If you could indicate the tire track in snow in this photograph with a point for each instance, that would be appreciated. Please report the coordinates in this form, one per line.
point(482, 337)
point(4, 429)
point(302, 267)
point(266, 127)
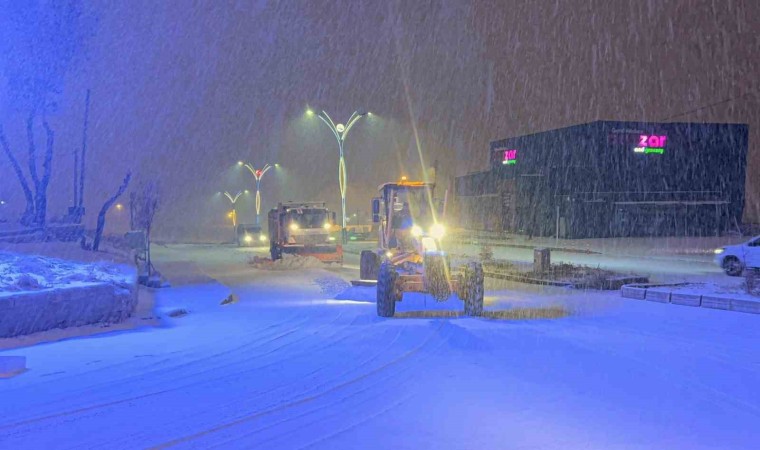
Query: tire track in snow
point(381, 392)
point(288, 388)
point(101, 406)
point(143, 375)
point(296, 402)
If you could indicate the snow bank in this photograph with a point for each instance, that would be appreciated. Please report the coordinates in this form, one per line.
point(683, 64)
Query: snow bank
point(288, 262)
point(39, 293)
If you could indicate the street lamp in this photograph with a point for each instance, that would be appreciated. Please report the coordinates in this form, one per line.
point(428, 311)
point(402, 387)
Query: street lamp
point(233, 213)
point(340, 132)
point(257, 175)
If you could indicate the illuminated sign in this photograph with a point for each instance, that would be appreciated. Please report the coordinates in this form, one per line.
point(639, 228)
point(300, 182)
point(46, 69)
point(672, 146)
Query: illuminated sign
point(651, 144)
point(509, 157)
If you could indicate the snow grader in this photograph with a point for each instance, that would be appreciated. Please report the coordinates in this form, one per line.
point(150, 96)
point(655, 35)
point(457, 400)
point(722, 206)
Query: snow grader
point(409, 256)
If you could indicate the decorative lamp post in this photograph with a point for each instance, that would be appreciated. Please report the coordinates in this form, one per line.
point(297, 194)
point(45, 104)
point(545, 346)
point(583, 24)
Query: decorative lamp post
point(233, 214)
point(340, 132)
point(257, 175)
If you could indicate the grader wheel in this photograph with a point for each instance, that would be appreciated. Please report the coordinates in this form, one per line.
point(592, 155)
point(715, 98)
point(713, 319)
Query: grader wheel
point(436, 277)
point(473, 289)
point(386, 290)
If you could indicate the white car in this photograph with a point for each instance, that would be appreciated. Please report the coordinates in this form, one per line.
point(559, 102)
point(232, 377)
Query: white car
point(735, 258)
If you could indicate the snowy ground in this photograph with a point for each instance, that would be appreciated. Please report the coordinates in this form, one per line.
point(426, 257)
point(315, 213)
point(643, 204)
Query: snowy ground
point(302, 361)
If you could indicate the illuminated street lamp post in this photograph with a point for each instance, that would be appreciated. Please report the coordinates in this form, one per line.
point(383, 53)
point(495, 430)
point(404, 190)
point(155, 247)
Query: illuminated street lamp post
point(340, 132)
point(233, 214)
point(257, 175)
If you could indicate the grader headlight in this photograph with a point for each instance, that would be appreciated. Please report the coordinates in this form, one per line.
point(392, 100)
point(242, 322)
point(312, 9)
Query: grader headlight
point(437, 231)
point(416, 231)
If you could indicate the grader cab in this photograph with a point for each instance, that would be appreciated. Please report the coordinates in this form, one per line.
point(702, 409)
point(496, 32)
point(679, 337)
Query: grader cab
point(409, 256)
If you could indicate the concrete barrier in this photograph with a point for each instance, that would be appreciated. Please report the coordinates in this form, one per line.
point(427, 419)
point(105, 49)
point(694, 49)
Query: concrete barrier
point(685, 299)
point(658, 296)
point(745, 306)
point(30, 312)
point(716, 302)
point(634, 292)
point(650, 292)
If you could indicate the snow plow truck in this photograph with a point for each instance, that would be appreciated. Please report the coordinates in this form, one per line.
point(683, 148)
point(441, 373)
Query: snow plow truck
point(409, 256)
point(304, 229)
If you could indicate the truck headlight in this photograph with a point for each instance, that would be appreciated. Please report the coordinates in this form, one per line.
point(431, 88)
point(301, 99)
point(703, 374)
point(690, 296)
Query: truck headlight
point(293, 226)
point(437, 231)
point(262, 237)
point(416, 231)
point(327, 226)
point(247, 238)
point(718, 251)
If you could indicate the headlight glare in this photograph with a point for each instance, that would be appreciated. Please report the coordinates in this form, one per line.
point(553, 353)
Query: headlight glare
point(437, 231)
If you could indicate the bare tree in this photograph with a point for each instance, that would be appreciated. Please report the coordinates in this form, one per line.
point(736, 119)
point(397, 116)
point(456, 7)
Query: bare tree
point(42, 41)
point(143, 206)
point(106, 206)
point(36, 207)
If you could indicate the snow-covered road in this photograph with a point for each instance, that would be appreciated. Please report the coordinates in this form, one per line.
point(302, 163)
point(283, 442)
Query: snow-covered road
point(302, 361)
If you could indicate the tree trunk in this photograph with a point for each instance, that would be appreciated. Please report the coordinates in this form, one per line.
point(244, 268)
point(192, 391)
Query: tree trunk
point(80, 196)
point(106, 206)
point(27, 217)
point(47, 169)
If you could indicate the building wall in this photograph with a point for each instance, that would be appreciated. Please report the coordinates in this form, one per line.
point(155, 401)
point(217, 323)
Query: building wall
point(687, 180)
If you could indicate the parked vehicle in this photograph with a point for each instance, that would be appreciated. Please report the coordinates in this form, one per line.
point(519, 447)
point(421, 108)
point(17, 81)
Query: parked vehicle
point(250, 236)
point(735, 258)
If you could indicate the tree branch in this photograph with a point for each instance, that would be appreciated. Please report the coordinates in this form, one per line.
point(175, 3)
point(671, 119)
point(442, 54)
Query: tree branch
point(106, 206)
point(32, 149)
point(47, 163)
point(17, 170)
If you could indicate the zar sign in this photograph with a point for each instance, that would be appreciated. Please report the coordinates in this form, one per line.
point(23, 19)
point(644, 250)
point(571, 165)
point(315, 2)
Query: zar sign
point(651, 144)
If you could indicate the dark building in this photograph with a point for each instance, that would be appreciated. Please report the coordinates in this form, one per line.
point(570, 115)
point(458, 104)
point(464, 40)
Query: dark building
point(605, 179)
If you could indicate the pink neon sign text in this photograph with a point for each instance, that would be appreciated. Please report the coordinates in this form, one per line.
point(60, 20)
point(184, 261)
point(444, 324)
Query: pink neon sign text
point(652, 141)
point(510, 156)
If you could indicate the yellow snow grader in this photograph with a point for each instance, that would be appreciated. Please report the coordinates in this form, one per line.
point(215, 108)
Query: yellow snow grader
point(409, 256)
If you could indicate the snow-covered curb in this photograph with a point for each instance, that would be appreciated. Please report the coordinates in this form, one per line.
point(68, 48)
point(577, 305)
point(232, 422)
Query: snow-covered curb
point(39, 293)
point(692, 295)
point(29, 312)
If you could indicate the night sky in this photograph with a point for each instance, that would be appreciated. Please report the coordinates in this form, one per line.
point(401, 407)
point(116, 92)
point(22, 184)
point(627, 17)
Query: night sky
point(182, 90)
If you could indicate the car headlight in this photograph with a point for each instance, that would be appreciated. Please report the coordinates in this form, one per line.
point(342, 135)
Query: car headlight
point(262, 237)
point(437, 231)
point(718, 251)
point(327, 226)
point(416, 231)
point(293, 226)
point(331, 238)
point(247, 238)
